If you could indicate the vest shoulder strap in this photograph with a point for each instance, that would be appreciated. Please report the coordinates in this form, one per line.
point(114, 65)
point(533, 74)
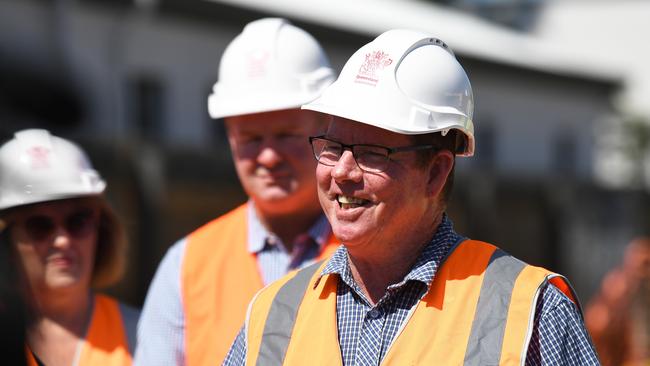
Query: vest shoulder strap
point(281, 317)
point(106, 332)
point(485, 342)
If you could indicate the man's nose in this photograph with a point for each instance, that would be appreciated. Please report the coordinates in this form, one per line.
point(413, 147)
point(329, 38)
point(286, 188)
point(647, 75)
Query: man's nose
point(269, 155)
point(347, 168)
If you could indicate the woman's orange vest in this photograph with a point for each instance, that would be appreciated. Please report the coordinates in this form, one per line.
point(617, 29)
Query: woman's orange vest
point(219, 278)
point(106, 342)
point(460, 321)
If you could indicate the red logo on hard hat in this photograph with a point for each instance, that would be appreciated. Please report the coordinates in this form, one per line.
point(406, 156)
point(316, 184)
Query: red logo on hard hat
point(258, 63)
point(374, 62)
point(39, 157)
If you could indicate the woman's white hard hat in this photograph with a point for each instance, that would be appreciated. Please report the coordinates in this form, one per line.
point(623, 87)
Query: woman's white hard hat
point(36, 166)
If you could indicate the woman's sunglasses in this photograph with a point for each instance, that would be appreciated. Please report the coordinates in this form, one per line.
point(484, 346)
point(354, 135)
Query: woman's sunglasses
point(77, 224)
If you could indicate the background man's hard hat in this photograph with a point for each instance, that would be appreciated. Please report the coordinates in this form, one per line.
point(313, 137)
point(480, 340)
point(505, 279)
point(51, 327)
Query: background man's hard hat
point(272, 65)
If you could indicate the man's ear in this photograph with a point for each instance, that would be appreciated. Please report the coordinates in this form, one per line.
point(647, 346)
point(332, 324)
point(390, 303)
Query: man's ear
point(439, 169)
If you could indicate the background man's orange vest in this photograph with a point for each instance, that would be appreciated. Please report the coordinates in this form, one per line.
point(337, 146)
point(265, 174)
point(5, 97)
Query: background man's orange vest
point(219, 278)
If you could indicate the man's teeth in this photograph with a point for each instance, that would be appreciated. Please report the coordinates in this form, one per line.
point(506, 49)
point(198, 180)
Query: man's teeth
point(350, 200)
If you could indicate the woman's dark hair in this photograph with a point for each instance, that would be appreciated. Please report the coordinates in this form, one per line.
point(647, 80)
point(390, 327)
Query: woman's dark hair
point(14, 310)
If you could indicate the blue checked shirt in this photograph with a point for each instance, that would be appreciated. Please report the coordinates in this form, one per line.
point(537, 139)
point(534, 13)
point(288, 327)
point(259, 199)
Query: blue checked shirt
point(366, 331)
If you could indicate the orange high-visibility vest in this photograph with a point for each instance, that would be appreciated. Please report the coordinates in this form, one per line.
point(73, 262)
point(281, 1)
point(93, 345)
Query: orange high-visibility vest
point(479, 310)
point(219, 278)
point(106, 342)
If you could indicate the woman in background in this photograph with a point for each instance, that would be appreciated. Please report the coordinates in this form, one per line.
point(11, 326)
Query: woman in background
point(65, 241)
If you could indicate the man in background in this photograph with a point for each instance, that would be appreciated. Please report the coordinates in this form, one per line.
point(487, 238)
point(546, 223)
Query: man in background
point(199, 295)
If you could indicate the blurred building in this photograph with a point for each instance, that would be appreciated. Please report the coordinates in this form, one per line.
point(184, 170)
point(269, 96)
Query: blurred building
point(129, 80)
point(616, 31)
point(607, 30)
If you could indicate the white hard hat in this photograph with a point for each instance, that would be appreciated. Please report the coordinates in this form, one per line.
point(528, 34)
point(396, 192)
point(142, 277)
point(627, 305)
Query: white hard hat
point(271, 65)
point(406, 82)
point(38, 167)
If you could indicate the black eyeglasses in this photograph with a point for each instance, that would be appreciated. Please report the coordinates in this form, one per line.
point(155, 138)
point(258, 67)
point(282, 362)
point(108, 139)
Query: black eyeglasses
point(369, 158)
point(79, 224)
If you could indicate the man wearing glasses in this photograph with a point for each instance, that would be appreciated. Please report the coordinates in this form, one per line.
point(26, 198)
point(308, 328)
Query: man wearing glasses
point(405, 288)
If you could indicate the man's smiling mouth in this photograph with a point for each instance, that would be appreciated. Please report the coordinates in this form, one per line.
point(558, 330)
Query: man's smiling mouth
point(346, 202)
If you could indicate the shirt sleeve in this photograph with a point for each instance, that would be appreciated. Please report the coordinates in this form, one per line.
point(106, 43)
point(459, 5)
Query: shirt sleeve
point(237, 353)
point(559, 334)
point(162, 322)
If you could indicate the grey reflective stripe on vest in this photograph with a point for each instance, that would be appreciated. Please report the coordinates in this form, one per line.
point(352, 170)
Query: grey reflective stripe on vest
point(486, 337)
point(282, 317)
point(130, 318)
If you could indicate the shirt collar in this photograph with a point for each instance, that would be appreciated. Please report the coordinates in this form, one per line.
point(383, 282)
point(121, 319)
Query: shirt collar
point(425, 266)
point(258, 234)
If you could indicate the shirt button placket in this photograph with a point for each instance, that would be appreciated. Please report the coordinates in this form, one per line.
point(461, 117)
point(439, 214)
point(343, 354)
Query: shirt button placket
point(370, 339)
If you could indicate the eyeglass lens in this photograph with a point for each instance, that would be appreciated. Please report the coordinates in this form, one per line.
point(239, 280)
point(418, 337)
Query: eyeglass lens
point(78, 225)
point(368, 157)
